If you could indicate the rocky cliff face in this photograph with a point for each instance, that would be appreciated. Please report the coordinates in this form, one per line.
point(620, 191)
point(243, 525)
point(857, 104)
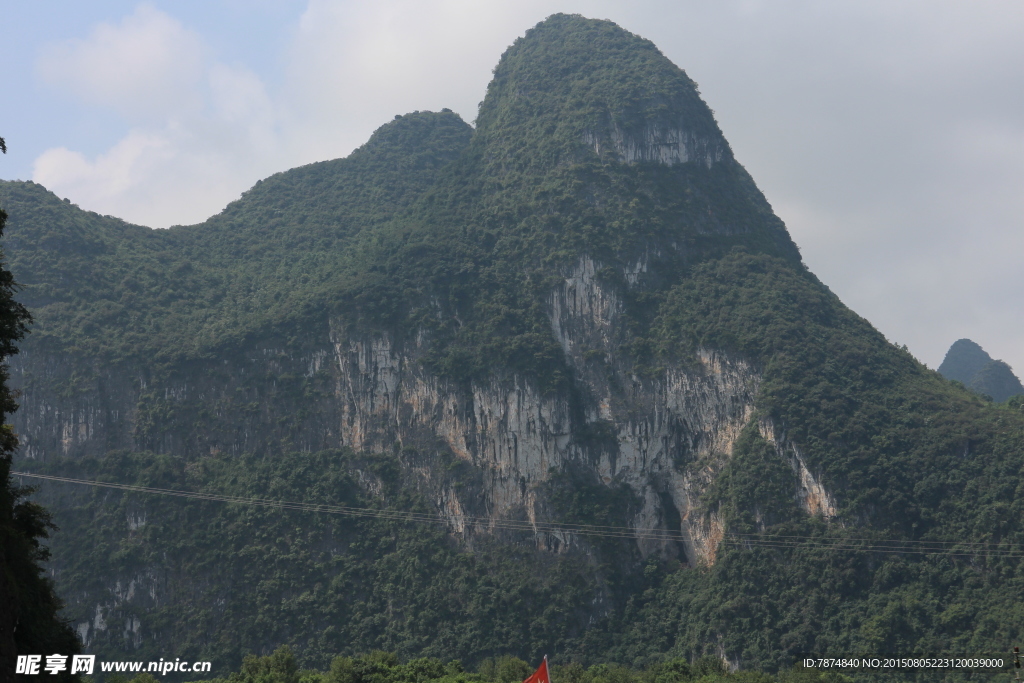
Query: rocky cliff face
point(669, 435)
point(241, 403)
point(660, 143)
point(295, 324)
point(665, 437)
point(581, 311)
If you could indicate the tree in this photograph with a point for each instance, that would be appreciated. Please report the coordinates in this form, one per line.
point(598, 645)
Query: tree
point(29, 606)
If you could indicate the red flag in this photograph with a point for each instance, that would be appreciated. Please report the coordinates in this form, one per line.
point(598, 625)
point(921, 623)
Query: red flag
point(541, 674)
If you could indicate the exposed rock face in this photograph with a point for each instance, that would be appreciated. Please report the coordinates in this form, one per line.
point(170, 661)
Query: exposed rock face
point(233, 404)
point(671, 435)
point(665, 437)
point(664, 434)
point(54, 420)
point(813, 497)
point(119, 614)
point(125, 600)
point(666, 144)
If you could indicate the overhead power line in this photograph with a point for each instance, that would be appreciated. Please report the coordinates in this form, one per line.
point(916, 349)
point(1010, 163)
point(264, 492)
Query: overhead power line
point(778, 541)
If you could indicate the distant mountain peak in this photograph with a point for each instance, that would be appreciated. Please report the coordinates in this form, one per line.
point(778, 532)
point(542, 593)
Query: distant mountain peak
point(963, 360)
point(967, 362)
point(573, 84)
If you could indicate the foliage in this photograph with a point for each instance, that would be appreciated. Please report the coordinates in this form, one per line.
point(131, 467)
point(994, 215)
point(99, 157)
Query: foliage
point(385, 667)
point(966, 362)
point(325, 584)
point(898, 443)
point(456, 238)
point(906, 454)
point(29, 606)
point(430, 227)
point(105, 289)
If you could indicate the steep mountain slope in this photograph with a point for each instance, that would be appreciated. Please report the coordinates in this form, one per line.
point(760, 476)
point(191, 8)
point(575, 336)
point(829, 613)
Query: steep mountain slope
point(963, 361)
point(29, 606)
point(996, 379)
point(120, 292)
point(966, 362)
point(582, 311)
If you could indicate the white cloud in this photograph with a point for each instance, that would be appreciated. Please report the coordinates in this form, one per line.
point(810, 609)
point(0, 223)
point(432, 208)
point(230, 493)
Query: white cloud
point(353, 66)
point(111, 175)
point(201, 131)
point(132, 179)
point(239, 96)
point(147, 65)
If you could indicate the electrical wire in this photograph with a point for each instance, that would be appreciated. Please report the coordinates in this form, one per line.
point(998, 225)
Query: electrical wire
point(769, 541)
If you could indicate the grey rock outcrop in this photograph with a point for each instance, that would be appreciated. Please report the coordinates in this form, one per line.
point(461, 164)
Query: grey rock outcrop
point(666, 437)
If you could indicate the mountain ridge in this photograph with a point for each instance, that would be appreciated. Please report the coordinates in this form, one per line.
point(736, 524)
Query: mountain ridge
point(583, 310)
point(966, 362)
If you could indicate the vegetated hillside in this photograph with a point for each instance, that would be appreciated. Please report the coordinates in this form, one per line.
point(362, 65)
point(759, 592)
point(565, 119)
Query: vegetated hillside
point(581, 311)
point(104, 289)
point(30, 618)
point(385, 667)
point(966, 362)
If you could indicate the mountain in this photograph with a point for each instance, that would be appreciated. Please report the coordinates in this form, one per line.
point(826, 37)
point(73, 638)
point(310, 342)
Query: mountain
point(996, 379)
point(966, 362)
point(581, 313)
point(30, 619)
point(963, 361)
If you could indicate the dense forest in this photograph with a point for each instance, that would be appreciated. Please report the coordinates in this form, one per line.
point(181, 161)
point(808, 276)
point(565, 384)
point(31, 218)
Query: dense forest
point(592, 260)
point(29, 606)
point(384, 667)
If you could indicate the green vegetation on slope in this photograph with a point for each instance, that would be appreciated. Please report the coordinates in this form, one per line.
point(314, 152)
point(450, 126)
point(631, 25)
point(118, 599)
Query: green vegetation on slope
point(102, 289)
point(966, 362)
point(429, 227)
point(904, 450)
point(474, 264)
point(463, 242)
point(385, 667)
point(29, 606)
point(907, 455)
point(996, 381)
point(258, 577)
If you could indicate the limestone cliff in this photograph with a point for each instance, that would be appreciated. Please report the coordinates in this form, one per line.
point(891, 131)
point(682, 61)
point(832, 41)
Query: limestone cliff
point(480, 304)
point(667, 435)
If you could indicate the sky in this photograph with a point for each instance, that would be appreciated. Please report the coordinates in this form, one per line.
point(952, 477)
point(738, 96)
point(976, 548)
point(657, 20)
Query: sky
point(887, 134)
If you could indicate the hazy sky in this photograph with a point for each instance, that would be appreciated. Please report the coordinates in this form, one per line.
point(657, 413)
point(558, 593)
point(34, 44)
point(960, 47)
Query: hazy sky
point(888, 135)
